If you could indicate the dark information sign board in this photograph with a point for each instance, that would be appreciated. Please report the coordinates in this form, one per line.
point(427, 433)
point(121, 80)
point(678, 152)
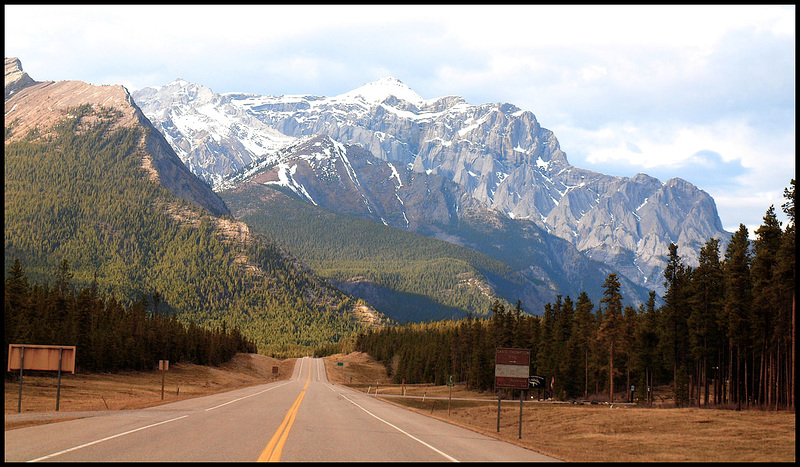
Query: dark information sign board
point(536, 381)
point(512, 368)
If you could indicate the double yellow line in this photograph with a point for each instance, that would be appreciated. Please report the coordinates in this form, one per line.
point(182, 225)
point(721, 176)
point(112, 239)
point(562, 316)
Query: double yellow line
point(272, 453)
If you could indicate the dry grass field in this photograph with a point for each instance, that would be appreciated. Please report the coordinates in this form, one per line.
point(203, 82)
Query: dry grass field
point(592, 433)
point(577, 433)
point(136, 389)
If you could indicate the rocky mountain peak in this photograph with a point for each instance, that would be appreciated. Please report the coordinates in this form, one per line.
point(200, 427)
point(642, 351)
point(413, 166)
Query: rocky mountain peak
point(16, 79)
point(41, 105)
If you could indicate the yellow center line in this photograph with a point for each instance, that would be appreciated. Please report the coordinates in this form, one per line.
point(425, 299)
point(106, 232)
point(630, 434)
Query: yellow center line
point(272, 453)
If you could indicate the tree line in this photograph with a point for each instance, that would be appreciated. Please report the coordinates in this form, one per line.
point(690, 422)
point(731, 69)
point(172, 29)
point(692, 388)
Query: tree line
point(108, 335)
point(723, 337)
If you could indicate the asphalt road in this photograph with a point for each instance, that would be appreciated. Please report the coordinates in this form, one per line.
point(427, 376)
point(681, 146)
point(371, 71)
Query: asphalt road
point(304, 419)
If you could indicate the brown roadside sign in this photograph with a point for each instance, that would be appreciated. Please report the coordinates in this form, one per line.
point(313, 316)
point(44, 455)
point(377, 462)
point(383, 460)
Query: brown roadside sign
point(504, 356)
point(512, 368)
point(41, 357)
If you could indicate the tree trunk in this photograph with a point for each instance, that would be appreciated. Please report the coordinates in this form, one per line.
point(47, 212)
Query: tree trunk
point(611, 372)
point(586, 382)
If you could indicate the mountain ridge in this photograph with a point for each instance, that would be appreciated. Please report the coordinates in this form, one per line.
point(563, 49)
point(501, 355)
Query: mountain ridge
point(314, 170)
point(502, 157)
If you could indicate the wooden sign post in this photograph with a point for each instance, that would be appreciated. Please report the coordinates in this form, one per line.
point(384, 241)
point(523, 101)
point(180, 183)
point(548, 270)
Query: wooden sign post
point(163, 365)
point(41, 358)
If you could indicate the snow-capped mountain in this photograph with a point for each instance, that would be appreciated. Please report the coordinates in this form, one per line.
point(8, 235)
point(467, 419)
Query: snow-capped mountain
point(348, 179)
point(497, 153)
point(212, 136)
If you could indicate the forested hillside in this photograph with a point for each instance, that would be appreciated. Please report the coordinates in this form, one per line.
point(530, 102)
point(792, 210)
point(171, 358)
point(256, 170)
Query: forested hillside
point(110, 336)
point(79, 193)
point(407, 276)
point(725, 335)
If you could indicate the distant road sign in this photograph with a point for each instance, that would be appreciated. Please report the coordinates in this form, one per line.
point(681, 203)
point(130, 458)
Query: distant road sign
point(512, 367)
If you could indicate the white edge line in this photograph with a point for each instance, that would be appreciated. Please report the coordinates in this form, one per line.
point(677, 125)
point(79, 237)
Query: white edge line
point(105, 439)
point(245, 397)
point(398, 429)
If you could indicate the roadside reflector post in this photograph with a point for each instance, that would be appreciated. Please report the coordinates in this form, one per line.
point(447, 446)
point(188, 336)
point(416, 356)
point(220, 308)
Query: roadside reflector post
point(450, 383)
point(163, 365)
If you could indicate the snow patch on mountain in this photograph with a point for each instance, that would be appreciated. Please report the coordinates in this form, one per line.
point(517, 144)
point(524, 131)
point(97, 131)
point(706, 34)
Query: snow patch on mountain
point(378, 91)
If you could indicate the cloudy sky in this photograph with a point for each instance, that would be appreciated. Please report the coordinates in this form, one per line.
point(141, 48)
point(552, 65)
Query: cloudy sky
point(704, 93)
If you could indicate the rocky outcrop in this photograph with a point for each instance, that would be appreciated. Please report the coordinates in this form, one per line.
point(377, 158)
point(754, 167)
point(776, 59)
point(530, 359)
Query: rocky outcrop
point(16, 79)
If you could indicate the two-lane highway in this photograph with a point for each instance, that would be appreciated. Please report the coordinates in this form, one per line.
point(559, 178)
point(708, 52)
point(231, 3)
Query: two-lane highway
point(305, 418)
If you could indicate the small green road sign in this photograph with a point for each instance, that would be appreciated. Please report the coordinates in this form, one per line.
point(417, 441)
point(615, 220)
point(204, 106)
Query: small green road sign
point(339, 363)
point(451, 381)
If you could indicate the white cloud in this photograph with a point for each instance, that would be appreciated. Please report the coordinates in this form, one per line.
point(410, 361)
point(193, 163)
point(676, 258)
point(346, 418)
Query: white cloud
point(662, 89)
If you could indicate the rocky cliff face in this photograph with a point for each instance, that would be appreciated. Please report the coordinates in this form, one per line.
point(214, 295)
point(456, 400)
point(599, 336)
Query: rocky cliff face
point(16, 79)
point(348, 179)
point(498, 154)
point(37, 106)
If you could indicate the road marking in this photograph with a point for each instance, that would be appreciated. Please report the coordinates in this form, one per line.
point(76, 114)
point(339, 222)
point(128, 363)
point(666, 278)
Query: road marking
point(397, 428)
point(272, 453)
point(245, 397)
point(105, 439)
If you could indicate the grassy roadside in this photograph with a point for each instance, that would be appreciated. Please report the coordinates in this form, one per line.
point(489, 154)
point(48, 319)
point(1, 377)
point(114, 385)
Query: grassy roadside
point(593, 433)
point(136, 389)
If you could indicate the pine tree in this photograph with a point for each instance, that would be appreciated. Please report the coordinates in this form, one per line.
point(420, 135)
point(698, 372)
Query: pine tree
point(16, 307)
point(767, 304)
point(705, 335)
point(738, 303)
point(611, 328)
point(646, 344)
point(584, 327)
point(675, 329)
point(786, 275)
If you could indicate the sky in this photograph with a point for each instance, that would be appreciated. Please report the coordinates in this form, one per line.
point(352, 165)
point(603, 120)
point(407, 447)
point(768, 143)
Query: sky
point(703, 93)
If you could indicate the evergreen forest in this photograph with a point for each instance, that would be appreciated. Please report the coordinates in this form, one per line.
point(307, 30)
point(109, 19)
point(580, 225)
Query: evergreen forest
point(723, 337)
point(411, 277)
point(107, 335)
